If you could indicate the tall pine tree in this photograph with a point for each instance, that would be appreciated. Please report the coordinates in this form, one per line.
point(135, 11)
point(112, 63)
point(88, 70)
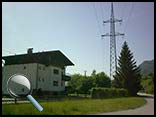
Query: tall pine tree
point(128, 74)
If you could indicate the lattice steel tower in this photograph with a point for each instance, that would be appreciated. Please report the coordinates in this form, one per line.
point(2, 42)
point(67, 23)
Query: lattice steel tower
point(112, 35)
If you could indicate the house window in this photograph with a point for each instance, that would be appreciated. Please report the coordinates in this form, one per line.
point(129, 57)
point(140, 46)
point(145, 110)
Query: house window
point(55, 83)
point(43, 79)
point(22, 89)
point(39, 67)
point(56, 71)
point(62, 83)
point(24, 67)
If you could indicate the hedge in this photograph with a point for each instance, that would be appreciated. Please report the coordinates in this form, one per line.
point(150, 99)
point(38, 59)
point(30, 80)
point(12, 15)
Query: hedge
point(150, 89)
point(99, 92)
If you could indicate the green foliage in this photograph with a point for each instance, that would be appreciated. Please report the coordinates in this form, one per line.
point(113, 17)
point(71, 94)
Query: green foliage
point(147, 83)
point(102, 80)
point(150, 89)
point(93, 73)
point(122, 92)
point(128, 74)
point(73, 83)
point(108, 92)
point(82, 84)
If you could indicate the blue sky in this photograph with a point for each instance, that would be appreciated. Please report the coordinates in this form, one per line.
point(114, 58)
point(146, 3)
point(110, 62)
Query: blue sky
point(75, 28)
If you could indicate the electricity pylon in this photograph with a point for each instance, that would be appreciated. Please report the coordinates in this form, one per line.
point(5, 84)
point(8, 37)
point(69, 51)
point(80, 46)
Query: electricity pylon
point(112, 35)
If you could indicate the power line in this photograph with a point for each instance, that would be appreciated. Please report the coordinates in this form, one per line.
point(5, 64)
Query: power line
point(130, 13)
point(123, 13)
point(103, 12)
point(97, 18)
point(101, 6)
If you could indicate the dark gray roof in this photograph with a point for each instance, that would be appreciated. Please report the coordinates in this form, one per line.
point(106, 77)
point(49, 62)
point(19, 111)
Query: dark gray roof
point(56, 58)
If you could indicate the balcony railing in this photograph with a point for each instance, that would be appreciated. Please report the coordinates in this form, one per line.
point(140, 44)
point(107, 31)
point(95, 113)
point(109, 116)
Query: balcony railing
point(66, 78)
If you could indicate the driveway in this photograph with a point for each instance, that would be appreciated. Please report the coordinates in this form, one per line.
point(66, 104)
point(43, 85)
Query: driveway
point(147, 109)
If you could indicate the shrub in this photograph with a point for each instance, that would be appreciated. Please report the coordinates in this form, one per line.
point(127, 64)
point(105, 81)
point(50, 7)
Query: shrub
point(122, 92)
point(99, 92)
point(148, 83)
point(150, 89)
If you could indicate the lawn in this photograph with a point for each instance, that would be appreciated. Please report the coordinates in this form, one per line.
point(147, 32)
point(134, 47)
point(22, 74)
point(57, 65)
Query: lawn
point(74, 107)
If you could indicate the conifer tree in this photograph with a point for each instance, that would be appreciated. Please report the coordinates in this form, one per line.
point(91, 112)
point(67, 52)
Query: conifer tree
point(127, 74)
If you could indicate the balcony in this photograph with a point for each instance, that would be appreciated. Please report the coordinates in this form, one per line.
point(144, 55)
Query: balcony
point(66, 78)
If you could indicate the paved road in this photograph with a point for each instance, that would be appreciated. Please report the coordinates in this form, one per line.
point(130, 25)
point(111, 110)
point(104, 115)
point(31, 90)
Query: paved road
point(147, 109)
point(12, 101)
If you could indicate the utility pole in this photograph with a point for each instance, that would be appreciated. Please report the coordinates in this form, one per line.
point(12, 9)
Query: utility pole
point(112, 35)
point(85, 73)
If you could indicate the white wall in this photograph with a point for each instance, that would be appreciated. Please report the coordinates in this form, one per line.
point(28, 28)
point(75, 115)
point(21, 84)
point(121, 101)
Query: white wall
point(48, 76)
point(29, 71)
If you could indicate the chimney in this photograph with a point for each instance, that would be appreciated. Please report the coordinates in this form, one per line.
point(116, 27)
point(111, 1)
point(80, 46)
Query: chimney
point(30, 51)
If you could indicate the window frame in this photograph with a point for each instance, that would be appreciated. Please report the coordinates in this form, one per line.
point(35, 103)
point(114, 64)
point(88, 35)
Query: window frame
point(24, 67)
point(54, 71)
point(62, 83)
point(55, 83)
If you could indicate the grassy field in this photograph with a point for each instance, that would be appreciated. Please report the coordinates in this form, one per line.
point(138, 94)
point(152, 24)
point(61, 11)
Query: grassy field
point(74, 107)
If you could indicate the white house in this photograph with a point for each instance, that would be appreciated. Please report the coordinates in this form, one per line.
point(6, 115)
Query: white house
point(45, 70)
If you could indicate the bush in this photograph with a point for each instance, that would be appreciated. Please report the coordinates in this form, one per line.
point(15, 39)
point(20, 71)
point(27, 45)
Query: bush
point(148, 83)
point(150, 89)
point(99, 92)
point(122, 92)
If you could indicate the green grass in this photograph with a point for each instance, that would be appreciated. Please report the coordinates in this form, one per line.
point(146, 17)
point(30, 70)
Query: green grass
point(74, 107)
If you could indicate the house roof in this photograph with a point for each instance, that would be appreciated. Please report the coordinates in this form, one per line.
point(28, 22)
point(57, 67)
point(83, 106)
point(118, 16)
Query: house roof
point(56, 58)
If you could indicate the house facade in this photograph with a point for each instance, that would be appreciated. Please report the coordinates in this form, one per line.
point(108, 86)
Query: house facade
point(45, 70)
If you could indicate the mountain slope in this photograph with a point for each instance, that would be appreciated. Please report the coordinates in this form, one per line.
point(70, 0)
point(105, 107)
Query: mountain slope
point(147, 67)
